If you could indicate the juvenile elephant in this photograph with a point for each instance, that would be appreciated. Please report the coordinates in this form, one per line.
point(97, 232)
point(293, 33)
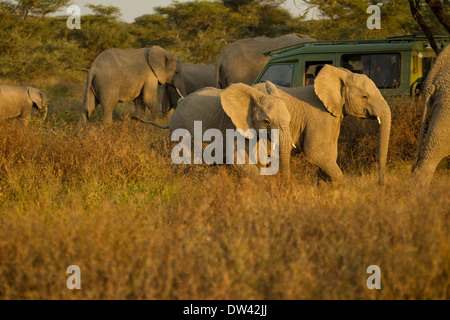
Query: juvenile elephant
point(241, 61)
point(315, 114)
point(238, 107)
point(118, 75)
point(436, 101)
point(19, 102)
point(195, 77)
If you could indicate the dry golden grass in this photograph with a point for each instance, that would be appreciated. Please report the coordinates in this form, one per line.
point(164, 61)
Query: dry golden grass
point(108, 199)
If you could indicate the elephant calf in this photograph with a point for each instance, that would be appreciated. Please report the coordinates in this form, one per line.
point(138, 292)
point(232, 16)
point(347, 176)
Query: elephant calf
point(19, 102)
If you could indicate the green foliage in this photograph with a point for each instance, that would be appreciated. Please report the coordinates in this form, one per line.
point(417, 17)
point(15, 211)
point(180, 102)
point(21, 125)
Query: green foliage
point(37, 7)
point(346, 19)
point(99, 33)
point(30, 49)
point(34, 44)
point(198, 38)
point(105, 11)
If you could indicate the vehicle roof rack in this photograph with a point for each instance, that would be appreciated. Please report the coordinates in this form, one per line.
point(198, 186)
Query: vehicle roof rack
point(406, 38)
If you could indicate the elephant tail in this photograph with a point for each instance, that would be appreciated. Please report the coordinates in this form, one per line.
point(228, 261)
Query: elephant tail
point(221, 81)
point(427, 94)
point(218, 67)
point(152, 123)
point(89, 102)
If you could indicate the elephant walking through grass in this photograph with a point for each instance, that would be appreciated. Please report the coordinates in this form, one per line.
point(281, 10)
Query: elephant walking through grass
point(118, 75)
point(18, 101)
point(436, 105)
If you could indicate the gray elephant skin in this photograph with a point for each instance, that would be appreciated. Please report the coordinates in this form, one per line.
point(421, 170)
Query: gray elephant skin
point(315, 114)
point(243, 60)
point(18, 101)
point(195, 77)
point(119, 75)
point(436, 104)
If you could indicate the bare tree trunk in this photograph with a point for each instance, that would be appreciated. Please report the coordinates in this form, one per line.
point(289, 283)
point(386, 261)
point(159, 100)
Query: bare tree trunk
point(414, 6)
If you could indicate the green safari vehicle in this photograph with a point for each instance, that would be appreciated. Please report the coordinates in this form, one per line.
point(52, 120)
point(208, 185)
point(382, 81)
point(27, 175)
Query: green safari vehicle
point(397, 65)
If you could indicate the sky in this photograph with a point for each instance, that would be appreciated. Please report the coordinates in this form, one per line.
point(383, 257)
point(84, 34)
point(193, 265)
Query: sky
point(132, 9)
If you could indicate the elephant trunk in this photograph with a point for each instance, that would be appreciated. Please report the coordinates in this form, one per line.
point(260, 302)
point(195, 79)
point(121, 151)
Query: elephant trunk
point(285, 156)
point(45, 112)
point(384, 120)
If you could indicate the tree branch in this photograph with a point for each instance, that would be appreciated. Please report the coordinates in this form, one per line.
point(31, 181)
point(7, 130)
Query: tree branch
point(415, 10)
point(438, 10)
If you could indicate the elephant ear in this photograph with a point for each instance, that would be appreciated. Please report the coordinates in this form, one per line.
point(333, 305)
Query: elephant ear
point(162, 63)
point(329, 87)
point(272, 89)
point(38, 97)
point(238, 103)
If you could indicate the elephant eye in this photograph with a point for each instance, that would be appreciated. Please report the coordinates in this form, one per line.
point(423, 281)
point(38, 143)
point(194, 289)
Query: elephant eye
point(365, 97)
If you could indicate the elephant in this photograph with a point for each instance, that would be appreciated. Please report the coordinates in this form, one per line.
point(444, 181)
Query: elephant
point(239, 106)
point(18, 101)
point(194, 77)
point(436, 102)
point(315, 112)
point(123, 75)
point(241, 61)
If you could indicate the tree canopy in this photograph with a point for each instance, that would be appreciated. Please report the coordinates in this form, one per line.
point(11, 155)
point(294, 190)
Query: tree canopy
point(35, 42)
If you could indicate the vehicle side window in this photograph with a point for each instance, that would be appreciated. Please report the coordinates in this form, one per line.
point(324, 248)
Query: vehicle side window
point(312, 69)
point(383, 69)
point(279, 74)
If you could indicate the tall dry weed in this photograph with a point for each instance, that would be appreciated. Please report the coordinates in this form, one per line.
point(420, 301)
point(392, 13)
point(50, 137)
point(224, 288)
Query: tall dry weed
point(108, 199)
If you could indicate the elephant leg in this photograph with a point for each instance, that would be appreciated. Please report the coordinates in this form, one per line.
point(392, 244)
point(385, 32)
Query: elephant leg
point(330, 167)
point(436, 147)
point(26, 112)
point(150, 97)
point(139, 108)
point(425, 170)
point(108, 108)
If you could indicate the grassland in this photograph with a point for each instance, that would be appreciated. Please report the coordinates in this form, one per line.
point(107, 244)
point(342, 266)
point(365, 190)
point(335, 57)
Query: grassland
point(109, 199)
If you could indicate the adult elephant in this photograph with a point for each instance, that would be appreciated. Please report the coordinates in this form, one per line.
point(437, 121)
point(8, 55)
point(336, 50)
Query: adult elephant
point(18, 101)
point(195, 77)
point(436, 101)
point(241, 61)
point(119, 75)
point(315, 113)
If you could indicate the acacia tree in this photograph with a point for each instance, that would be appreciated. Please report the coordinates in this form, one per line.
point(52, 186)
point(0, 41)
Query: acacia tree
point(262, 17)
point(195, 31)
point(346, 19)
point(29, 43)
point(37, 7)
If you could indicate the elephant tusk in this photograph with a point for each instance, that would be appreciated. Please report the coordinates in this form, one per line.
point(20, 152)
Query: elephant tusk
point(294, 146)
point(179, 93)
point(379, 120)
